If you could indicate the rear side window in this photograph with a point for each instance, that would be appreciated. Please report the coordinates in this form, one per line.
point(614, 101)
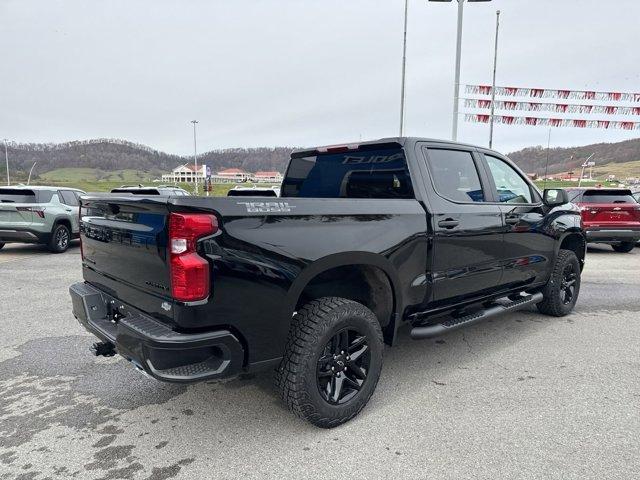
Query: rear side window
point(607, 196)
point(68, 198)
point(455, 176)
point(17, 195)
point(377, 173)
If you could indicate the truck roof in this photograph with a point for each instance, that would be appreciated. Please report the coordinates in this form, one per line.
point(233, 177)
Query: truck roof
point(401, 141)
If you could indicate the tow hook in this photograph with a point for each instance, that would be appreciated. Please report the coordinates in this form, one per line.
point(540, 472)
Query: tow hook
point(103, 349)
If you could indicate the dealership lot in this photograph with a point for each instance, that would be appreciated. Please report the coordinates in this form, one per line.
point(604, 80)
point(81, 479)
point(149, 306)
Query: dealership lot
point(520, 396)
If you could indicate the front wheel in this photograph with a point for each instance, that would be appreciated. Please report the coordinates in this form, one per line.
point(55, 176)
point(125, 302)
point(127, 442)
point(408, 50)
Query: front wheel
point(561, 292)
point(623, 247)
point(332, 361)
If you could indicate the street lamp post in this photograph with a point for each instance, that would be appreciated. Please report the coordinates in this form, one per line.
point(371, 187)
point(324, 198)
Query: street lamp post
point(456, 82)
point(493, 84)
point(6, 159)
point(404, 63)
point(195, 154)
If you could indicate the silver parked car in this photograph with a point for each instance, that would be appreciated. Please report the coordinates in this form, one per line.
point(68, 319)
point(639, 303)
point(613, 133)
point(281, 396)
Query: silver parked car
point(47, 215)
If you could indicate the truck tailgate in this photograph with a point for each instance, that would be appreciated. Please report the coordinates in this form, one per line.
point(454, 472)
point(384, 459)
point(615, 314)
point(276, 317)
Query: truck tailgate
point(125, 239)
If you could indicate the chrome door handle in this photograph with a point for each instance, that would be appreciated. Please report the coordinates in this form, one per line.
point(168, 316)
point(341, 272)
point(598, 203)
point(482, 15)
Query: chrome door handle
point(448, 223)
point(511, 220)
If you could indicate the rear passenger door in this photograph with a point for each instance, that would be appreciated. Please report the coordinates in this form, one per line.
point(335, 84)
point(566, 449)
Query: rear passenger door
point(528, 247)
point(467, 224)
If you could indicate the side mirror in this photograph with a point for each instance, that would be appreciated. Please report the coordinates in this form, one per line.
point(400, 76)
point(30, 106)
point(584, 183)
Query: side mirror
point(552, 197)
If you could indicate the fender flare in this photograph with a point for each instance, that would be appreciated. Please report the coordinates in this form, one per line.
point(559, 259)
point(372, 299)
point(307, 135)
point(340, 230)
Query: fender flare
point(342, 260)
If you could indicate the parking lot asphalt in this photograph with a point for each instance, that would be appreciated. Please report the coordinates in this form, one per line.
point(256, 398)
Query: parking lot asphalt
point(519, 396)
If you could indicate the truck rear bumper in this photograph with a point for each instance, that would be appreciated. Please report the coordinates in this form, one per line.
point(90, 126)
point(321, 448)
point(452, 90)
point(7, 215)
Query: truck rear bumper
point(610, 235)
point(152, 346)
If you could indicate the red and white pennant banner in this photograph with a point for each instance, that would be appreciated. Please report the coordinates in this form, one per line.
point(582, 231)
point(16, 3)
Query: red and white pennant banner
point(552, 122)
point(553, 93)
point(551, 107)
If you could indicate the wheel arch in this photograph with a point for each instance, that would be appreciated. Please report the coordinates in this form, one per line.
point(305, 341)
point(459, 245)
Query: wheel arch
point(367, 278)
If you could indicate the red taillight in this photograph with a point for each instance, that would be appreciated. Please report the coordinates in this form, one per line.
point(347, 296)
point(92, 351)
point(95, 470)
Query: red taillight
point(189, 271)
point(37, 210)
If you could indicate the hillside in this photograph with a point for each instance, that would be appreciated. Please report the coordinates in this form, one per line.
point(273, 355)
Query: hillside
point(115, 160)
point(109, 155)
point(533, 159)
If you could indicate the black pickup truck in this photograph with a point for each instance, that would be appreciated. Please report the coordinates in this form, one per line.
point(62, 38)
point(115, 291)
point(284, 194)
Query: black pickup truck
point(364, 239)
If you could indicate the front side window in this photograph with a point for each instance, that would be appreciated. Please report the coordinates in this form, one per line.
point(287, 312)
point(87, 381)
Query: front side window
point(512, 188)
point(371, 173)
point(454, 175)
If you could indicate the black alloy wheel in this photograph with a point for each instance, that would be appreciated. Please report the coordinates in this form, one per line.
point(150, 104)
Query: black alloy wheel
point(568, 284)
point(343, 366)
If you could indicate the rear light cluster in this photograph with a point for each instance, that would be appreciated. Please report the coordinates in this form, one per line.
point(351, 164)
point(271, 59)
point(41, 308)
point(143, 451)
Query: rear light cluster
point(189, 271)
point(37, 210)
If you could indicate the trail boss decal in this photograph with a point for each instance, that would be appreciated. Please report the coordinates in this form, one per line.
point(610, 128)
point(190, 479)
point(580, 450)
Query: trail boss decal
point(267, 207)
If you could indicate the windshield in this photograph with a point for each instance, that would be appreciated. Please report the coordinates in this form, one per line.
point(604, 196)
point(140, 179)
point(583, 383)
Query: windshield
point(377, 173)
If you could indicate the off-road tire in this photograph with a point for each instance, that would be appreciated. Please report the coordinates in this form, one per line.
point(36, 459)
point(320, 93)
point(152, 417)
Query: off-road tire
point(54, 245)
point(553, 302)
point(313, 326)
point(623, 247)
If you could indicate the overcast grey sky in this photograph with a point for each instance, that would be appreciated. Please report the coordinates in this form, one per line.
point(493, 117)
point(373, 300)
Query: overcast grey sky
point(294, 72)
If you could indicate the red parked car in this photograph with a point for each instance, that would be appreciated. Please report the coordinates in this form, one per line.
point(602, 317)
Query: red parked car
point(609, 215)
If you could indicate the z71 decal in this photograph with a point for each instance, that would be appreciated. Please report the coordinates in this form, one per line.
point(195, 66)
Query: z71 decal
point(267, 207)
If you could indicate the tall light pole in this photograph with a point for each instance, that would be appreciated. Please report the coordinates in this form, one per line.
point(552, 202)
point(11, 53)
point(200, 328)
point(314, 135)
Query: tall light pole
point(195, 154)
point(404, 63)
point(456, 82)
point(493, 84)
point(6, 159)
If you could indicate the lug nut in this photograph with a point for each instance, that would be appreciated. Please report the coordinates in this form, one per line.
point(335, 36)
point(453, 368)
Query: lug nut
point(342, 352)
point(338, 374)
point(348, 357)
point(333, 369)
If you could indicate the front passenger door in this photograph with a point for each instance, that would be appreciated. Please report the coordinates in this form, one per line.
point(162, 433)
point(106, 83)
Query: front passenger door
point(528, 248)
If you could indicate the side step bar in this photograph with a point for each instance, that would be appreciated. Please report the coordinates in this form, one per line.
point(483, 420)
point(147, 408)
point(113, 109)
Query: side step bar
point(430, 331)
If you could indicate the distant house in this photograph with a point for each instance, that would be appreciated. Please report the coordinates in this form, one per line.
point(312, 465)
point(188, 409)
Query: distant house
point(186, 174)
point(267, 177)
point(232, 175)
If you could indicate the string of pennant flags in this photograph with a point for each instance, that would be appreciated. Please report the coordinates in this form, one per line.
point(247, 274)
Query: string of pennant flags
point(552, 122)
point(617, 105)
point(553, 93)
point(551, 107)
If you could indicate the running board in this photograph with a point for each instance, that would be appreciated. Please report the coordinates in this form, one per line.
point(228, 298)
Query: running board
point(430, 331)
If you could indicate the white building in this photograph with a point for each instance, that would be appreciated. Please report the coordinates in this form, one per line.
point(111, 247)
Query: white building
point(233, 175)
point(186, 174)
point(267, 177)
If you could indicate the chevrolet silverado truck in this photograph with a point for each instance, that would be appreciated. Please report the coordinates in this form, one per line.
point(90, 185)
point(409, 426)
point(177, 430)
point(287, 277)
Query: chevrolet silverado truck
point(365, 239)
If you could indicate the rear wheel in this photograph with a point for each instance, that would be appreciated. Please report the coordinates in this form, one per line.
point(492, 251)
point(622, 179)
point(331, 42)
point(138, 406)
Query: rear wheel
point(561, 292)
point(332, 361)
point(60, 238)
point(624, 247)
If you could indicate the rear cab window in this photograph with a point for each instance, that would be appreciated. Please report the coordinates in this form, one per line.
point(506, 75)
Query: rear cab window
point(370, 171)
